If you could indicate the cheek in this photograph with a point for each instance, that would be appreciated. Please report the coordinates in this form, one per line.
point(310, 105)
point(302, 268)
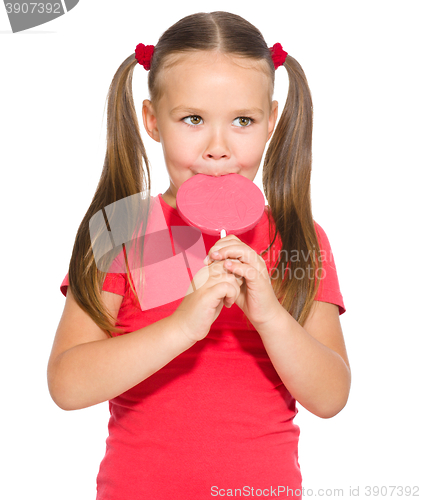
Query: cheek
point(175, 145)
point(251, 151)
point(179, 151)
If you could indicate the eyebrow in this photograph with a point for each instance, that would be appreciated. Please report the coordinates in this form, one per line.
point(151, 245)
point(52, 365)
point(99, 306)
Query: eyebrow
point(195, 111)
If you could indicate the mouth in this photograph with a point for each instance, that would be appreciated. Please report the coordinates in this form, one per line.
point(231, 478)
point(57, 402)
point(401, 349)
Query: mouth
point(218, 175)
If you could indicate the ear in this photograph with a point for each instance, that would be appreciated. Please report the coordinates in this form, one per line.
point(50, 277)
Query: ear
point(150, 120)
point(272, 119)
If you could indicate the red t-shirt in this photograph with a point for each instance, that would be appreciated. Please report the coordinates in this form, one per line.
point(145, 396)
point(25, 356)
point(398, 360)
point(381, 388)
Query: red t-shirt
point(215, 418)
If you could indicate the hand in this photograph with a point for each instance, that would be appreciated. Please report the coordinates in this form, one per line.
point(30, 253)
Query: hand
point(214, 287)
point(256, 299)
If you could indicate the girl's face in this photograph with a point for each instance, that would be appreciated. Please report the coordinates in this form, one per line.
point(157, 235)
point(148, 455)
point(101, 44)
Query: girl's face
point(214, 117)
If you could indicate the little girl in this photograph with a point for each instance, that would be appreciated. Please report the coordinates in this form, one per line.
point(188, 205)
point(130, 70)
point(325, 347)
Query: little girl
point(202, 397)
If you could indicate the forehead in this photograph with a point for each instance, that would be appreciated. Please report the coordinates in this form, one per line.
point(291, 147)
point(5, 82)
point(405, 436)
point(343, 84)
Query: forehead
point(198, 74)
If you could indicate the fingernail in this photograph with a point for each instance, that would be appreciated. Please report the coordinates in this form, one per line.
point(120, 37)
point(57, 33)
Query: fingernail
point(206, 260)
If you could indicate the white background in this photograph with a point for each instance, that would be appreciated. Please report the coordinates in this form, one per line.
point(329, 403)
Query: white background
point(361, 59)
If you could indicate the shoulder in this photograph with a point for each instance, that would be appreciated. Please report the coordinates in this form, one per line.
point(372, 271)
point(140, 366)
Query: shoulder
point(329, 289)
point(326, 255)
point(113, 282)
point(321, 235)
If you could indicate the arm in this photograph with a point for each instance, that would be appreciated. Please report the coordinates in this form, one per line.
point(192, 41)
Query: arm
point(311, 360)
point(86, 367)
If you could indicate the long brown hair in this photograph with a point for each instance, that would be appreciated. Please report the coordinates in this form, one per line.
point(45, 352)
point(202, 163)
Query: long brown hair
point(286, 168)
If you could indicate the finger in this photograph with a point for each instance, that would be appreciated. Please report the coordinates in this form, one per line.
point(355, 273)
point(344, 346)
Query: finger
point(218, 270)
point(228, 269)
point(223, 242)
point(241, 252)
point(233, 291)
point(219, 273)
point(225, 291)
point(243, 271)
point(234, 278)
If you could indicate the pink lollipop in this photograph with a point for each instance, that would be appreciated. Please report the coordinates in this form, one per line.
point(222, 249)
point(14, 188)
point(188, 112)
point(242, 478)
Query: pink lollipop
point(230, 204)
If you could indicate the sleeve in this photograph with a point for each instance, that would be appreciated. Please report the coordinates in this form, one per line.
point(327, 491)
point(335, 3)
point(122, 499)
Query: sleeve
point(113, 282)
point(329, 290)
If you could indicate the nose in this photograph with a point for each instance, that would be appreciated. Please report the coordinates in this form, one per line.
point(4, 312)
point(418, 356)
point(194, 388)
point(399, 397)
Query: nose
point(217, 146)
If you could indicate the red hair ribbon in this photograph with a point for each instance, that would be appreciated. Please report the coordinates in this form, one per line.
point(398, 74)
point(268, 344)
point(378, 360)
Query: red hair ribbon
point(144, 54)
point(278, 55)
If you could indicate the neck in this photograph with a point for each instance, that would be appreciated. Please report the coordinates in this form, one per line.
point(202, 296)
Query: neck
point(169, 198)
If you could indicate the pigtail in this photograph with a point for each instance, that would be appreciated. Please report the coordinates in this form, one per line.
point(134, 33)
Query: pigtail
point(286, 182)
point(122, 176)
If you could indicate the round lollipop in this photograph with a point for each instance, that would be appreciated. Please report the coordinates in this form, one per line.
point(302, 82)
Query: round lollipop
point(229, 204)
